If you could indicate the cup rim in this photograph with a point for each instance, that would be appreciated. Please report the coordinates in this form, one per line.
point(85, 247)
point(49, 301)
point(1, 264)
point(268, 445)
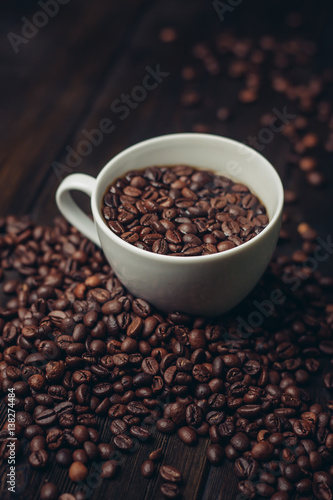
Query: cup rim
point(188, 258)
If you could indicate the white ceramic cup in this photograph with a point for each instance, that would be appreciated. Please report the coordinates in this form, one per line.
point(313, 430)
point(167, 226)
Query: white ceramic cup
point(203, 285)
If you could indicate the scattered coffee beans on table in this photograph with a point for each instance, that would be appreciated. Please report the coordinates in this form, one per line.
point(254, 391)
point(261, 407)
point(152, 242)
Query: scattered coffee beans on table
point(182, 211)
point(78, 350)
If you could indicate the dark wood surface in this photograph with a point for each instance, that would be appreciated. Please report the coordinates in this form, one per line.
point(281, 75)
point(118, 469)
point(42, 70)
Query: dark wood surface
point(65, 79)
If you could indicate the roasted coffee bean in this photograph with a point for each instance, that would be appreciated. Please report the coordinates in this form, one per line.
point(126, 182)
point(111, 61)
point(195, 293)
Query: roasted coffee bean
point(110, 469)
point(123, 442)
point(264, 489)
point(227, 429)
point(177, 413)
point(64, 457)
point(33, 430)
point(137, 408)
point(91, 450)
point(46, 417)
point(215, 454)
point(193, 415)
point(140, 433)
point(302, 428)
point(262, 451)
point(150, 366)
point(69, 496)
point(38, 459)
point(49, 491)
point(240, 442)
point(156, 455)
point(78, 472)
point(105, 450)
point(247, 489)
point(230, 453)
point(170, 490)
point(118, 427)
point(147, 468)
point(87, 420)
point(55, 439)
point(246, 467)
point(322, 485)
point(37, 443)
point(187, 435)
point(170, 473)
point(165, 425)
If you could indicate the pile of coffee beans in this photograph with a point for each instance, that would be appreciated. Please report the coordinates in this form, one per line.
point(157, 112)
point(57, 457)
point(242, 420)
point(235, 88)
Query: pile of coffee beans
point(76, 348)
point(182, 211)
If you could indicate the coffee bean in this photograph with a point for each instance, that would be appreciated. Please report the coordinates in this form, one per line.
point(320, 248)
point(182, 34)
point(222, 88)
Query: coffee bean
point(193, 415)
point(226, 429)
point(304, 486)
point(246, 467)
point(118, 427)
point(322, 485)
point(156, 455)
point(264, 489)
point(140, 433)
point(91, 450)
point(240, 442)
point(247, 489)
point(328, 380)
point(165, 425)
point(262, 451)
point(105, 450)
point(64, 457)
point(170, 473)
point(292, 472)
point(215, 454)
point(80, 456)
point(280, 495)
point(150, 366)
point(147, 468)
point(170, 490)
point(137, 408)
point(78, 472)
point(38, 459)
point(187, 435)
point(49, 491)
point(302, 428)
point(110, 469)
point(123, 442)
point(37, 443)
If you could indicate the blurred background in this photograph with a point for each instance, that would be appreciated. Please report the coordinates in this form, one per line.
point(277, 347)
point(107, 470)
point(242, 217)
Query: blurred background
point(73, 91)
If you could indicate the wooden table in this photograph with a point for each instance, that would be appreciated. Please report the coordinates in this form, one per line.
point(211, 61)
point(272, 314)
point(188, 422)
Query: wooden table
point(63, 81)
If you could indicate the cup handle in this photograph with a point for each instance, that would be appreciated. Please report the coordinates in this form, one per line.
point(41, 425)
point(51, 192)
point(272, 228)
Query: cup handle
point(70, 210)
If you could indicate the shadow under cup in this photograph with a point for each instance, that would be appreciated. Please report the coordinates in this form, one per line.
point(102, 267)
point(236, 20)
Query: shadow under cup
point(202, 285)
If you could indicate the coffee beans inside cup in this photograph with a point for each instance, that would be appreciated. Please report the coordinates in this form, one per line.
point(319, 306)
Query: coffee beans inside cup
point(182, 211)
